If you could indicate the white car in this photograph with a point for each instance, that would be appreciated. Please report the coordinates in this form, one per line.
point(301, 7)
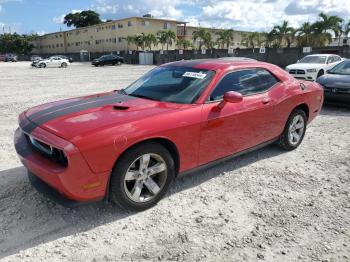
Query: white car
point(53, 61)
point(313, 66)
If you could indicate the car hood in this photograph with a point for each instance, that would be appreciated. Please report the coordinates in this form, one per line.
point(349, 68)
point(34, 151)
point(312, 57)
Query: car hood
point(333, 80)
point(304, 66)
point(83, 115)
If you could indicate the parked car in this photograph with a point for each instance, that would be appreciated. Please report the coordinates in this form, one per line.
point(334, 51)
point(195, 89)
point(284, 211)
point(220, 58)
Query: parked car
point(127, 146)
point(336, 84)
point(53, 61)
point(35, 58)
point(108, 60)
point(70, 59)
point(312, 67)
point(10, 58)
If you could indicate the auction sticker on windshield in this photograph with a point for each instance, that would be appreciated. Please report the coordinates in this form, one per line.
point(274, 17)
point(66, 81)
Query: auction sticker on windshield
point(194, 75)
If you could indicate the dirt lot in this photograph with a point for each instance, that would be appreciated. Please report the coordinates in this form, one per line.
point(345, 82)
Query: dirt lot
point(266, 205)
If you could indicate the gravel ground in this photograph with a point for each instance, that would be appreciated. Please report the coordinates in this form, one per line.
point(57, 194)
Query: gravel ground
point(266, 205)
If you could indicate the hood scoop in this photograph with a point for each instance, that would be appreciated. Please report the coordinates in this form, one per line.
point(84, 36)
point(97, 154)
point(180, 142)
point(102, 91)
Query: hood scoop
point(120, 107)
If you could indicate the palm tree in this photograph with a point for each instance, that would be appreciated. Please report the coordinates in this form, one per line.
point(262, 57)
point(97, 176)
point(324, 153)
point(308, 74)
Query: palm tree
point(320, 36)
point(185, 44)
point(150, 39)
point(204, 37)
point(225, 37)
point(166, 38)
point(305, 34)
point(140, 41)
point(130, 40)
point(328, 23)
point(346, 30)
point(250, 39)
point(284, 33)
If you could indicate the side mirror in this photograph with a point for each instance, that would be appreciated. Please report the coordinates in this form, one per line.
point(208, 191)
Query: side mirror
point(231, 97)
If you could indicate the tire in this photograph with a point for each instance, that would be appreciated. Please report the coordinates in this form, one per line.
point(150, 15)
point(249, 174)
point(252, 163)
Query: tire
point(127, 179)
point(64, 65)
point(320, 73)
point(288, 140)
point(42, 65)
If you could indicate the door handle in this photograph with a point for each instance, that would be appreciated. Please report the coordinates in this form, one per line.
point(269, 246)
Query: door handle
point(266, 100)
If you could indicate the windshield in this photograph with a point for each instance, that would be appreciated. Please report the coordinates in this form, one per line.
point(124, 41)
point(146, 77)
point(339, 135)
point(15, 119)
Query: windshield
point(314, 59)
point(341, 69)
point(172, 84)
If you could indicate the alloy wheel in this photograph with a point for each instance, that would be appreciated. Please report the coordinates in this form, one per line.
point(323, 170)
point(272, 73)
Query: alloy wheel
point(296, 129)
point(145, 177)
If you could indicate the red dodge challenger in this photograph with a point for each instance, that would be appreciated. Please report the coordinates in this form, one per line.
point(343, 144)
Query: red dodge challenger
point(127, 146)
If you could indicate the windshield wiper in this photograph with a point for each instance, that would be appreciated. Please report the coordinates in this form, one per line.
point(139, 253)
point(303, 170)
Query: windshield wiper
point(122, 91)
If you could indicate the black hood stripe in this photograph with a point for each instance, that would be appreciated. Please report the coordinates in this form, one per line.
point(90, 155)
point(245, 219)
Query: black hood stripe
point(88, 104)
point(72, 103)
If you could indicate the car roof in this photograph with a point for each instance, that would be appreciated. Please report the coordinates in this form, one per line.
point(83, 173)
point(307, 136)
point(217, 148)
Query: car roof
point(322, 55)
point(215, 63)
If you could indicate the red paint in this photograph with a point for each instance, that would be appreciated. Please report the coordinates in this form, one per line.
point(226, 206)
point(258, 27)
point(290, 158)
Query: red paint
point(94, 139)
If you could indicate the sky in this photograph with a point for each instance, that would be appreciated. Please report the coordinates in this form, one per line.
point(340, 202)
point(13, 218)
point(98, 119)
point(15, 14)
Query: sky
point(44, 16)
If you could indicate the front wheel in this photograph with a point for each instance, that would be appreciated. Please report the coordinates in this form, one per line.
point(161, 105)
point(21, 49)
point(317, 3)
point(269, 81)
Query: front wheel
point(320, 73)
point(294, 130)
point(42, 65)
point(142, 176)
point(64, 65)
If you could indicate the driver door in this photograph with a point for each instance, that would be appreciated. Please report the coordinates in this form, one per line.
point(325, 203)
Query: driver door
point(238, 126)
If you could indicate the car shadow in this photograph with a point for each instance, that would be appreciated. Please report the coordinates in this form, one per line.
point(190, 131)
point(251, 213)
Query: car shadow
point(28, 219)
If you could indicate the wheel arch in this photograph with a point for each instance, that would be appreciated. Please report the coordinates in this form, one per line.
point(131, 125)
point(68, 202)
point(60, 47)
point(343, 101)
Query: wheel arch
point(305, 108)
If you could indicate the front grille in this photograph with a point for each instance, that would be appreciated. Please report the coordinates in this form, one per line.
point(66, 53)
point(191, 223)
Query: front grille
point(54, 154)
point(338, 90)
point(297, 72)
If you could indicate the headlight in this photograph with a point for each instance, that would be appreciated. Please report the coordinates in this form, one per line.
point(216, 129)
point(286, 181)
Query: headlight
point(311, 70)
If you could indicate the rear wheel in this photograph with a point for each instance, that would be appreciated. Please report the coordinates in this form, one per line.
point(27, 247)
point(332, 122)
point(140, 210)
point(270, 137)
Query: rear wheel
point(42, 65)
point(294, 130)
point(64, 65)
point(142, 176)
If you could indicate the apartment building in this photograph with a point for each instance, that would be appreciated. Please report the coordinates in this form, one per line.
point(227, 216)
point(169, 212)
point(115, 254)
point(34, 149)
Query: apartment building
point(104, 37)
point(111, 36)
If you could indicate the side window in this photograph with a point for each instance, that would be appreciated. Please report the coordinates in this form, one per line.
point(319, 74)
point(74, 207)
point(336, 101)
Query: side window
point(246, 82)
point(330, 59)
point(337, 58)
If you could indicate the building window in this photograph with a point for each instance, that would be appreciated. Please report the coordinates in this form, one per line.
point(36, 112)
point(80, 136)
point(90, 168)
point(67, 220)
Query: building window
point(77, 44)
point(130, 23)
point(120, 39)
point(113, 27)
point(61, 45)
point(167, 25)
point(68, 44)
point(145, 23)
point(120, 25)
point(97, 42)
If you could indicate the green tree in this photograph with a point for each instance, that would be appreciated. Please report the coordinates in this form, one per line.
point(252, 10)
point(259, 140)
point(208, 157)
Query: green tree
point(16, 43)
point(184, 44)
point(225, 37)
point(150, 39)
point(250, 40)
point(284, 33)
point(204, 37)
point(82, 19)
point(305, 34)
point(346, 30)
point(166, 38)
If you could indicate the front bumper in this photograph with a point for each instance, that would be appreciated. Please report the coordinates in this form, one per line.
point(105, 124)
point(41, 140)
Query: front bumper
point(333, 96)
point(75, 182)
